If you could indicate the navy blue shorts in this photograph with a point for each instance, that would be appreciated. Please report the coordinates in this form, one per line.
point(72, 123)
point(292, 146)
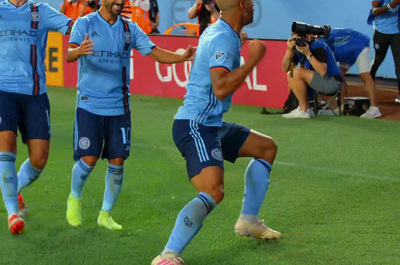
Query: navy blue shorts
point(101, 136)
point(205, 146)
point(31, 114)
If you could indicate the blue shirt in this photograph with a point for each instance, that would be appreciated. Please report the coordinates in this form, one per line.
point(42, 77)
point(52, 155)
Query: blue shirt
point(103, 77)
point(387, 23)
point(219, 47)
point(346, 44)
point(323, 54)
point(23, 40)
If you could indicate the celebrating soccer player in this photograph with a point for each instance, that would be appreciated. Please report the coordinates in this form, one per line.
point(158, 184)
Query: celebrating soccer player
point(23, 100)
point(205, 140)
point(102, 41)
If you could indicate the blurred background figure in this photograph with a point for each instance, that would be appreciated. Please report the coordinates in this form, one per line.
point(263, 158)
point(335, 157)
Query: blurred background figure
point(206, 11)
point(139, 13)
point(154, 16)
point(75, 8)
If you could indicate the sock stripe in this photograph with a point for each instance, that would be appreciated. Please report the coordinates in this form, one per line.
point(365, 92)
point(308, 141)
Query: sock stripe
point(7, 158)
point(116, 171)
point(206, 202)
point(84, 167)
point(267, 165)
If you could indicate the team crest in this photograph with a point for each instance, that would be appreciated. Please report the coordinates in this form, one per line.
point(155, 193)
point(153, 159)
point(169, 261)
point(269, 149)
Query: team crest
point(217, 154)
point(220, 57)
point(127, 37)
point(35, 16)
point(84, 143)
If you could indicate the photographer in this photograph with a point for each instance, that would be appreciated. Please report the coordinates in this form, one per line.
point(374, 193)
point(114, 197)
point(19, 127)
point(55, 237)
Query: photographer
point(206, 11)
point(311, 65)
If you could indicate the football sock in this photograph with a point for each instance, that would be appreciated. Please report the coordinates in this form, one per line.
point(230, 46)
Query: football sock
point(114, 179)
point(189, 222)
point(256, 180)
point(9, 182)
point(27, 174)
point(80, 173)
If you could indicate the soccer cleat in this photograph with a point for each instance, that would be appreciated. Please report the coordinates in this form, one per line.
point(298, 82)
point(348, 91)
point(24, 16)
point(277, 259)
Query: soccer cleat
point(167, 259)
point(298, 114)
point(74, 216)
point(105, 219)
point(257, 230)
point(22, 211)
point(371, 113)
point(16, 224)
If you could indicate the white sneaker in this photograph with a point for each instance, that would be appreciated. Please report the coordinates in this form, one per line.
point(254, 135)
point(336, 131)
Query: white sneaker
point(297, 114)
point(257, 230)
point(397, 100)
point(371, 113)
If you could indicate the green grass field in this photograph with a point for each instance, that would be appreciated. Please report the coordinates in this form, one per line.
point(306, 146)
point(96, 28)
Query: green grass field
point(334, 195)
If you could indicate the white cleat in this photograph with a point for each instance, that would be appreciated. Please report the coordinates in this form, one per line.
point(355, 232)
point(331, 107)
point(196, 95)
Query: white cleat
point(257, 230)
point(371, 113)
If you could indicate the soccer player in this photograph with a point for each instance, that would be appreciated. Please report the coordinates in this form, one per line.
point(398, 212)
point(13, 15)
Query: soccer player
point(23, 100)
point(102, 41)
point(205, 140)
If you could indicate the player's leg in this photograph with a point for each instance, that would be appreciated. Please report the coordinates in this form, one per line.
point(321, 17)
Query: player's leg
point(10, 117)
point(343, 67)
point(395, 47)
point(87, 140)
point(381, 46)
point(204, 161)
point(116, 150)
point(239, 141)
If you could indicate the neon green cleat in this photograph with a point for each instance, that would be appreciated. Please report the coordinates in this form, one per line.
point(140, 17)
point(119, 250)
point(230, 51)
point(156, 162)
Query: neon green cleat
point(105, 219)
point(74, 206)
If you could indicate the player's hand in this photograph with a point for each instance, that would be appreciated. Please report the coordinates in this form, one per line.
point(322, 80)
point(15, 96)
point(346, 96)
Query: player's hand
point(210, 7)
point(243, 37)
point(305, 50)
point(189, 54)
point(86, 46)
point(257, 50)
point(291, 42)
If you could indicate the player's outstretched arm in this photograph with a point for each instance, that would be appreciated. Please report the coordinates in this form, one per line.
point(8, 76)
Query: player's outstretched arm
point(74, 51)
point(225, 83)
point(165, 56)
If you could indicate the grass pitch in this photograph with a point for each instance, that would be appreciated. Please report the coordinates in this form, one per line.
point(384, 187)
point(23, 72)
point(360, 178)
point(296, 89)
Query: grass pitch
point(334, 195)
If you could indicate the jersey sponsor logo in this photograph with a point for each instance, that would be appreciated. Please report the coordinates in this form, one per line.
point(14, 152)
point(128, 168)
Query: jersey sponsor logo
point(220, 57)
point(127, 37)
point(217, 154)
point(108, 54)
point(16, 32)
point(35, 16)
point(84, 143)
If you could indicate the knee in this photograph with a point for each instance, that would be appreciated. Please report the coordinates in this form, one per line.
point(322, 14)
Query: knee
point(270, 148)
point(39, 161)
point(217, 193)
point(116, 161)
point(90, 160)
point(298, 73)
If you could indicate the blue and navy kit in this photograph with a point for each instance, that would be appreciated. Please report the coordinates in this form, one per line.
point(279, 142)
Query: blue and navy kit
point(103, 77)
point(346, 44)
point(23, 39)
point(387, 23)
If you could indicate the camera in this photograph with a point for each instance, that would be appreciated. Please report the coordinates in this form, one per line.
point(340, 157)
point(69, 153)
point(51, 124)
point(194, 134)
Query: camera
point(304, 29)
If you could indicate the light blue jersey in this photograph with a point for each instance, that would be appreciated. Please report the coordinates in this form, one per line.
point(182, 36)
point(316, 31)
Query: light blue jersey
point(387, 23)
point(103, 77)
point(219, 47)
point(346, 44)
point(23, 40)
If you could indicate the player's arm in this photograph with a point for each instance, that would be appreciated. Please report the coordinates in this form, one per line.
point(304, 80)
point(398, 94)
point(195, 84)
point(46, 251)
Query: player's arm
point(192, 13)
point(165, 56)
point(224, 83)
point(378, 10)
point(287, 59)
point(75, 51)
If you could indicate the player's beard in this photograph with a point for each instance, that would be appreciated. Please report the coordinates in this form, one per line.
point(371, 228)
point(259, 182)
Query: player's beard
point(116, 9)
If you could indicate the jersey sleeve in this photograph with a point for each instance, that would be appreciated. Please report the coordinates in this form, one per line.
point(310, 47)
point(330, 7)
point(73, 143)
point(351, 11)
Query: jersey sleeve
point(222, 54)
point(56, 21)
point(141, 41)
point(78, 32)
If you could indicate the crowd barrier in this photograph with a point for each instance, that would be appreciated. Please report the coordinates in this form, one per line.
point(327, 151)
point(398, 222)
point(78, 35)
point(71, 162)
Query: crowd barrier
point(266, 86)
